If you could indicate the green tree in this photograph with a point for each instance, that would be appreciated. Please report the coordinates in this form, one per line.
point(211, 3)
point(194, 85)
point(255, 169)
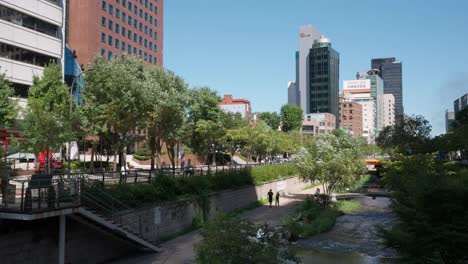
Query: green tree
point(429, 198)
point(167, 97)
point(291, 117)
point(46, 125)
point(272, 119)
point(226, 240)
point(333, 159)
point(411, 136)
point(116, 89)
point(205, 126)
point(7, 105)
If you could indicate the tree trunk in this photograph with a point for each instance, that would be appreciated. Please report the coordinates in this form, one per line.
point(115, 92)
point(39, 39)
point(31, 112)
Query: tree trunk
point(152, 158)
point(47, 161)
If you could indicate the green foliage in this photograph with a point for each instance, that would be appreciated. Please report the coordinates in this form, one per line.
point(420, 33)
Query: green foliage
point(7, 106)
point(334, 158)
point(226, 240)
point(411, 136)
point(262, 174)
point(47, 123)
point(166, 96)
point(272, 119)
point(77, 165)
point(291, 117)
point(164, 187)
point(429, 199)
point(114, 98)
point(313, 219)
point(205, 126)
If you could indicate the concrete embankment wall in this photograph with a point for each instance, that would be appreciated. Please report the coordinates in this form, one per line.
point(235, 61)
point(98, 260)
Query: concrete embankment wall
point(169, 219)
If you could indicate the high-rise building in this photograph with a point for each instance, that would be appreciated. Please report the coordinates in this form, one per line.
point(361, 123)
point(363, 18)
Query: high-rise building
point(110, 27)
point(449, 120)
point(32, 36)
point(389, 110)
point(307, 35)
point(236, 105)
point(324, 77)
point(293, 94)
point(390, 70)
point(460, 103)
point(377, 93)
point(359, 91)
point(351, 117)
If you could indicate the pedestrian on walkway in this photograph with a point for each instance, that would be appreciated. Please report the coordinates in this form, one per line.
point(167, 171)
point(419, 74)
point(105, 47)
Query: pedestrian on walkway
point(270, 197)
point(277, 199)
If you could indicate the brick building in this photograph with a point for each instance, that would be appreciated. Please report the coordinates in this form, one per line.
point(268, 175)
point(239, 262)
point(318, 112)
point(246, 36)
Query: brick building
point(236, 105)
point(351, 117)
point(110, 27)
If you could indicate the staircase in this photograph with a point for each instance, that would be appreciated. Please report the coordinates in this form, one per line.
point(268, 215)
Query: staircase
point(101, 209)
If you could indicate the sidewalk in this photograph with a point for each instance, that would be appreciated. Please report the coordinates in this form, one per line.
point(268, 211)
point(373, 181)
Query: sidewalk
point(180, 249)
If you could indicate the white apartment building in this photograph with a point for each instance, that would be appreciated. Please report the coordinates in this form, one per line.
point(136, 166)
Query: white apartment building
point(389, 110)
point(32, 34)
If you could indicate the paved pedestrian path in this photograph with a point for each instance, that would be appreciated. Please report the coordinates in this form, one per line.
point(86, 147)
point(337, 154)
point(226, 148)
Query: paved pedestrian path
point(180, 249)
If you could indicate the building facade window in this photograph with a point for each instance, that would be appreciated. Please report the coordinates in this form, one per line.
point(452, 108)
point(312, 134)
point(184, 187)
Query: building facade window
point(23, 55)
point(151, 32)
point(103, 21)
point(111, 9)
point(123, 45)
point(141, 26)
point(117, 13)
point(130, 6)
point(146, 29)
point(129, 49)
point(151, 7)
point(135, 37)
point(146, 16)
point(135, 10)
point(135, 23)
point(129, 34)
point(117, 28)
point(140, 40)
point(146, 43)
point(129, 20)
point(124, 17)
point(109, 40)
point(134, 50)
point(109, 55)
point(111, 24)
point(124, 32)
point(141, 13)
point(117, 43)
point(103, 37)
point(124, 3)
point(140, 53)
point(28, 21)
point(103, 5)
point(103, 52)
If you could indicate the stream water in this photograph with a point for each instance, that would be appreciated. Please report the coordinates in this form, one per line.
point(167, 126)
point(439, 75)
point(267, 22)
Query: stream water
point(353, 239)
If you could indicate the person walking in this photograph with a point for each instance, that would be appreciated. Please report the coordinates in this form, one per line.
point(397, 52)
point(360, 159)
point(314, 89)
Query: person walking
point(270, 197)
point(277, 199)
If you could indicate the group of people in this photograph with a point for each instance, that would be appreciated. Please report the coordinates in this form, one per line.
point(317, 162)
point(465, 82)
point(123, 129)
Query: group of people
point(263, 233)
point(270, 198)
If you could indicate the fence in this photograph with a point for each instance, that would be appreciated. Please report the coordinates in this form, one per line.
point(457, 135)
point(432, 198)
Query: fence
point(48, 192)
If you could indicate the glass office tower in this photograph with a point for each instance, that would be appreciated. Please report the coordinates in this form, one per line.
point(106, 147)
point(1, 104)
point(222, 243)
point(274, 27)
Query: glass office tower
point(324, 77)
point(391, 73)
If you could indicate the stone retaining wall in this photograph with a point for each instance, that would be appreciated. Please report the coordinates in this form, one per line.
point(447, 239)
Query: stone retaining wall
point(172, 218)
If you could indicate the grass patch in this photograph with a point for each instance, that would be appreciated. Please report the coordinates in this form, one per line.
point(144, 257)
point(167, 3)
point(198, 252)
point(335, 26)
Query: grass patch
point(311, 219)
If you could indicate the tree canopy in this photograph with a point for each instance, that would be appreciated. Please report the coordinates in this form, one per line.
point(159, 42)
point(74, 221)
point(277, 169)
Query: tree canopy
point(291, 117)
point(334, 159)
point(272, 119)
point(7, 105)
point(410, 136)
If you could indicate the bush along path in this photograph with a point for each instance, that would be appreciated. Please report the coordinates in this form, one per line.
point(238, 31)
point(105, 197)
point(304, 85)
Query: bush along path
point(181, 249)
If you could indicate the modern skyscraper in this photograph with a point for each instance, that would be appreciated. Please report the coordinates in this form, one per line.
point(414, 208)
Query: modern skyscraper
point(307, 35)
point(389, 110)
point(377, 93)
point(32, 35)
point(460, 103)
point(293, 94)
point(449, 120)
point(324, 64)
point(391, 73)
point(110, 27)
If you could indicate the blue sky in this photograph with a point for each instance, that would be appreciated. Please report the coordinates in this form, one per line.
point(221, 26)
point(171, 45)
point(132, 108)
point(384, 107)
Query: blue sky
point(246, 47)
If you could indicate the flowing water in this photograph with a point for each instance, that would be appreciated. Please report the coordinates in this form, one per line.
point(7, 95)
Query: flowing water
point(353, 239)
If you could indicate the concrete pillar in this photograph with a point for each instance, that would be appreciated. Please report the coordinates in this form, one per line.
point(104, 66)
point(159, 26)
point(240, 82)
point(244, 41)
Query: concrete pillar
point(61, 253)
